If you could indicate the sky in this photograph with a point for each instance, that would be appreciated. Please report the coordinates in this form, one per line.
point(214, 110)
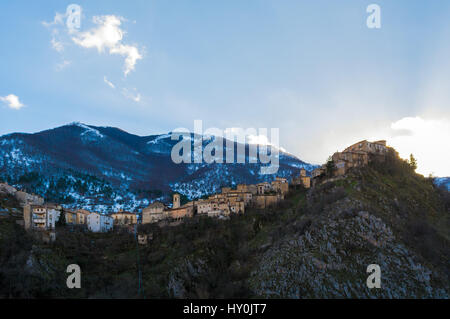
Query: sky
point(313, 69)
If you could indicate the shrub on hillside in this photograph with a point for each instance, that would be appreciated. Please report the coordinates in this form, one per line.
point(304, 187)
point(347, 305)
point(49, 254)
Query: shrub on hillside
point(420, 235)
point(392, 164)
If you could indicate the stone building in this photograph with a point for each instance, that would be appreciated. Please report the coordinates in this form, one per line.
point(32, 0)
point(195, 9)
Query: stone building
point(266, 200)
point(280, 186)
point(226, 190)
point(176, 201)
point(356, 155)
point(181, 212)
point(124, 218)
point(378, 147)
point(237, 207)
point(243, 188)
point(154, 213)
point(204, 207)
point(302, 179)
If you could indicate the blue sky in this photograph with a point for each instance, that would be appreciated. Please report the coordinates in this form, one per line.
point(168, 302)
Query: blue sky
point(311, 68)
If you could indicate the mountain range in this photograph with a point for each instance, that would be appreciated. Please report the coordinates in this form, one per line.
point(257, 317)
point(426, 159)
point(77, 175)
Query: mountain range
point(107, 169)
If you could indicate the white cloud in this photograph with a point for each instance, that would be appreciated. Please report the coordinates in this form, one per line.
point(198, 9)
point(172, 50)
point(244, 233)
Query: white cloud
point(64, 64)
point(12, 101)
point(135, 96)
point(131, 53)
point(57, 45)
point(58, 19)
point(110, 84)
point(108, 36)
point(427, 139)
point(262, 140)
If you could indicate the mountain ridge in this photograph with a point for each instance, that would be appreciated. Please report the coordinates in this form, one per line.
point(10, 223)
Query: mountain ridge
point(104, 168)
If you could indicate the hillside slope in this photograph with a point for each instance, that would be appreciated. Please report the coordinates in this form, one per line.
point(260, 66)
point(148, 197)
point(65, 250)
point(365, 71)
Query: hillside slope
point(383, 214)
point(315, 244)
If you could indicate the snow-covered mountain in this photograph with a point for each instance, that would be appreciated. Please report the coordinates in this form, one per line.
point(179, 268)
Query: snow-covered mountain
point(443, 181)
point(106, 168)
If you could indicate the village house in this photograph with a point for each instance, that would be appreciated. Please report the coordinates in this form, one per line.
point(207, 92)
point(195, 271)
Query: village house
point(98, 223)
point(237, 207)
point(124, 218)
point(204, 207)
point(303, 180)
point(40, 217)
point(280, 186)
point(71, 217)
point(78, 217)
point(179, 213)
point(82, 215)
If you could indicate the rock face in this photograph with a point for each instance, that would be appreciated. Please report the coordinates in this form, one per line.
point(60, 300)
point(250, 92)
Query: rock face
point(383, 214)
point(330, 260)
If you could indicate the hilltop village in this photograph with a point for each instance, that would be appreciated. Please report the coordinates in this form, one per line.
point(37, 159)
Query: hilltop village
point(42, 218)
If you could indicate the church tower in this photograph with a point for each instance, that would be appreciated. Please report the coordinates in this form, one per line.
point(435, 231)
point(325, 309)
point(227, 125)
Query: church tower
point(176, 201)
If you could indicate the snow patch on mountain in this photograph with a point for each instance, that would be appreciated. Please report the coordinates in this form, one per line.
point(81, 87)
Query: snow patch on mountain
point(439, 181)
point(159, 138)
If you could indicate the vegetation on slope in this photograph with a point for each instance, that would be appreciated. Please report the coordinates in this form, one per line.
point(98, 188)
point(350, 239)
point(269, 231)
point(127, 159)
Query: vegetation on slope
point(315, 244)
